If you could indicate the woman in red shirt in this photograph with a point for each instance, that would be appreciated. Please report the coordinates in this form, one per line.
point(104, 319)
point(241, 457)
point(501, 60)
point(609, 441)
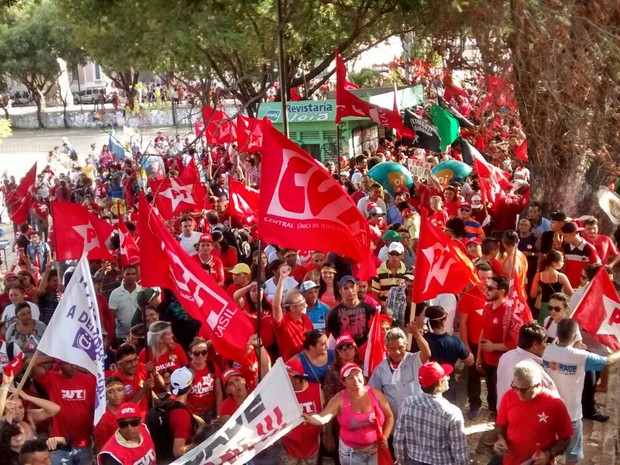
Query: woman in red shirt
point(165, 354)
point(205, 396)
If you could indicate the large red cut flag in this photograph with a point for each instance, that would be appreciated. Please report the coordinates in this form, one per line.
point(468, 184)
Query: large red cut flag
point(20, 200)
point(250, 133)
point(303, 207)
point(164, 263)
point(598, 312)
point(441, 267)
point(220, 128)
point(244, 202)
point(349, 104)
point(375, 347)
point(129, 251)
point(76, 230)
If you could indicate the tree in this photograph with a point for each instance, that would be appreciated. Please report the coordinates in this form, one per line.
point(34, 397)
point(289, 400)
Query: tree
point(32, 37)
point(367, 77)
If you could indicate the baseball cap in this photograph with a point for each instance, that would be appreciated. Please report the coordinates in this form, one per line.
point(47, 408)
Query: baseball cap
point(396, 247)
point(557, 215)
point(228, 374)
point(403, 190)
point(570, 227)
point(10, 275)
point(295, 367)
point(128, 410)
point(348, 368)
point(391, 235)
point(307, 285)
point(376, 211)
point(465, 205)
point(345, 339)
point(206, 237)
point(181, 380)
point(473, 240)
point(345, 279)
point(146, 295)
point(241, 268)
point(431, 372)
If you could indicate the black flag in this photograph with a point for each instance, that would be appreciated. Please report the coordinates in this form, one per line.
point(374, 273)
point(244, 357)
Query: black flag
point(426, 133)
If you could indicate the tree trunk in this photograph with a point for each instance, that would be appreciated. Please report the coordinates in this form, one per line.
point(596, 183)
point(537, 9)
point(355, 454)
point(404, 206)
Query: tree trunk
point(39, 101)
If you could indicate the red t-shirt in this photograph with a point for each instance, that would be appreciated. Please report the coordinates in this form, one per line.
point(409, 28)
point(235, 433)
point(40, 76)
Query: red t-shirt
point(604, 246)
point(493, 327)
point(201, 397)
point(472, 303)
point(452, 208)
point(76, 397)
point(169, 361)
point(505, 211)
point(180, 421)
point(228, 406)
point(303, 441)
point(216, 268)
point(538, 423)
point(105, 428)
point(290, 334)
point(576, 259)
point(132, 386)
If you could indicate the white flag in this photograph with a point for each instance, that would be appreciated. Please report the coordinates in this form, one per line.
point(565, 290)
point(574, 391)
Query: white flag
point(269, 412)
point(74, 332)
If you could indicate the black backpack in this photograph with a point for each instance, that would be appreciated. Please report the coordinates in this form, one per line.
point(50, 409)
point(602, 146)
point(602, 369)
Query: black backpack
point(159, 427)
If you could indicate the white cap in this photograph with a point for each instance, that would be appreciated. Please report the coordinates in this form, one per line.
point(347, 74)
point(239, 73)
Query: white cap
point(396, 247)
point(180, 380)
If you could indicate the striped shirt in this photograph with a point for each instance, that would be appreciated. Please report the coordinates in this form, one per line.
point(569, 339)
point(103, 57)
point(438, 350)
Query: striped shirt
point(430, 430)
point(385, 280)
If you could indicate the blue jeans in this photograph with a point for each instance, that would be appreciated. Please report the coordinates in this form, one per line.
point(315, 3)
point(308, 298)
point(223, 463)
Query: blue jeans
point(350, 456)
point(75, 456)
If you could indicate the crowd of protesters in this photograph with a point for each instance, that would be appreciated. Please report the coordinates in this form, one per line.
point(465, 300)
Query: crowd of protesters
point(316, 315)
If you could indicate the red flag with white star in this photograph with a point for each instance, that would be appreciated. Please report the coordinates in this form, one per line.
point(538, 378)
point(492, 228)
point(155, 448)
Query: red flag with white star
point(20, 200)
point(220, 128)
point(598, 313)
point(191, 175)
point(164, 263)
point(243, 204)
point(441, 267)
point(130, 253)
point(76, 230)
point(250, 133)
point(492, 180)
point(173, 196)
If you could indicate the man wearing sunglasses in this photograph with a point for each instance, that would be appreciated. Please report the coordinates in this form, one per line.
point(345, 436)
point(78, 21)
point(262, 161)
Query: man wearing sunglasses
point(533, 423)
point(131, 443)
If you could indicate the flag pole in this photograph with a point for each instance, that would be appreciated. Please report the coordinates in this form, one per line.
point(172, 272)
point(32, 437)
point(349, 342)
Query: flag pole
point(26, 373)
point(259, 305)
point(282, 66)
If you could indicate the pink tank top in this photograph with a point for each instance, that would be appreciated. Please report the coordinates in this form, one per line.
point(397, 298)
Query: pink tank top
point(358, 430)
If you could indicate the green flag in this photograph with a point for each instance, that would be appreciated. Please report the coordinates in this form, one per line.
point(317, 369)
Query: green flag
point(447, 126)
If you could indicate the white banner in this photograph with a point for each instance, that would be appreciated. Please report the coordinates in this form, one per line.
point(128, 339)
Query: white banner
point(268, 413)
point(74, 332)
point(419, 168)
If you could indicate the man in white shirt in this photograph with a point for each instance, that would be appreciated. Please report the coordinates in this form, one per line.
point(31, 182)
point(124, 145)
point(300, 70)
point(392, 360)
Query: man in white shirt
point(189, 238)
point(531, 345)
point(123, 301)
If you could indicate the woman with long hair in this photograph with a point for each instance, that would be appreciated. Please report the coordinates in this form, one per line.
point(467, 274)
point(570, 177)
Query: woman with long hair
point(329, 292)
point(163, 351)
point(12, 438)
point(346, 351)
point(315, 357)
point(225, 252)
point(205, 395)
point(549, 281)
point(265, 273)
point(247, 298)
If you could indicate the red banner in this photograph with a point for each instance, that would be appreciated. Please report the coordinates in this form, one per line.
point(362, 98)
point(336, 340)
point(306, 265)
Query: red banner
point(129, 251)
point(20, 201)
point(303, 207)
point(250, 133)
point(243, 202)
point(164, 263)
point(76, 230)
point(220, 128)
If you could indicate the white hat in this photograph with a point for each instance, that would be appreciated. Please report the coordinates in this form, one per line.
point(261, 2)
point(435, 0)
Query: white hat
point(181, 380)
point(307, 285)
point(396, 247)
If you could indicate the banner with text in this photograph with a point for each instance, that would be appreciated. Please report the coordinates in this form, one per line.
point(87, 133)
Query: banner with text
point(268, 413)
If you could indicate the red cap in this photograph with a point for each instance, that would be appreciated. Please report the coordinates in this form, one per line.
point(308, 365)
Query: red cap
point(128, 410)
point(348, 368)
point(465, 205)
point(10, 275)
point(475, 240)
point(230, 373)
point(431, 372)
point(294, 365)
point(345, 339)
point(206, 237)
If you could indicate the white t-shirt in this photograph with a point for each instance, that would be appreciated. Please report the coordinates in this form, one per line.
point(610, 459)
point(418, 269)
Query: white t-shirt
point(188, 242)
point(448, 303)
point(9, 313)
point(270, 287)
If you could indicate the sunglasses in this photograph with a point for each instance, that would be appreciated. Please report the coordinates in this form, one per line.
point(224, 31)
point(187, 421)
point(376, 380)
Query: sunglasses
point(553, 308)
point(395, 254)
point(523, 390)
point(491, 288)
point(465, 209)
point(344, 347)
point(200, 352)
point(125, 423)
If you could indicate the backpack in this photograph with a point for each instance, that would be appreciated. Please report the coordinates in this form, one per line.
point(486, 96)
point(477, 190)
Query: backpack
point(159, 427)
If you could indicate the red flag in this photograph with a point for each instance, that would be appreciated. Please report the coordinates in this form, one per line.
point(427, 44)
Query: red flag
point(220, 128)
point(492, 180)
point(517, 310)
point(191, 175)
point(20, 200)
point(375, 347)
point(243, 204)
point(174, 195)
point(130, 253)
point(349, 104)
point(164, 263)
point(520, 151)
point(199, 127)
point(14, 366)
point(348, 85)
point(303, 207)
point(250, 133)
point(598, 312)
point(295, 95)
point(441, 267)
point(451, 90)
point(77, 230)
